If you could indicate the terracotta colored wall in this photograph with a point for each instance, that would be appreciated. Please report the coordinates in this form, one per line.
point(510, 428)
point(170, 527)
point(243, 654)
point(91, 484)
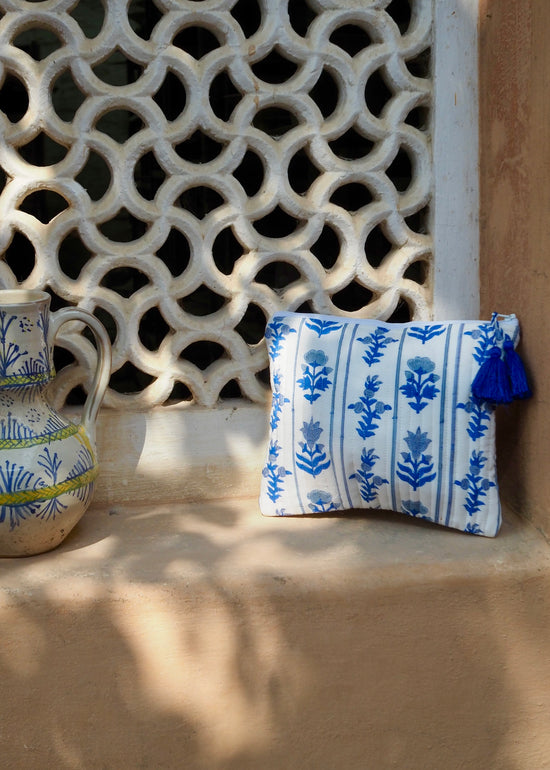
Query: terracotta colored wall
point(515, 226)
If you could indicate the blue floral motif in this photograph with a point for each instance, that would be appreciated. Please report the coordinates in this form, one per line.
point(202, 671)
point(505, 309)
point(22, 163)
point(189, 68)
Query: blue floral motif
point(275, 333)
point(274, 473)
point(486, 336)
point(474, 483)
point(33, 366)
point(10, 352)
point(51, 465)
point(36, 369)
point(277, 402)
point(473, 529)
point(415, 508)
point(12, 428)
point(315, 375)
point(322, 327)
point(370, 408)
point(426, 333)
point(43, 323)
point(480, 417)
point(369, 484)
point(420, 387)
point(83, 463)
point(14, 478)
point(313, 459)
point(375, 345)
point(417, 467)
point(321, 501)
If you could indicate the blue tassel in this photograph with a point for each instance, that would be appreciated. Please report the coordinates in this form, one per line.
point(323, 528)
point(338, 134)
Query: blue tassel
point(516, 372)
point(492, 382)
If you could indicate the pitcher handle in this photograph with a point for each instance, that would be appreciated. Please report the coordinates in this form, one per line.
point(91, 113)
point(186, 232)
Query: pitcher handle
point(103, 368)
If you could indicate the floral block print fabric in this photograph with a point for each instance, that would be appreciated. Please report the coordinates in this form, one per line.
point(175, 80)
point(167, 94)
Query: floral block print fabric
point(367, 414)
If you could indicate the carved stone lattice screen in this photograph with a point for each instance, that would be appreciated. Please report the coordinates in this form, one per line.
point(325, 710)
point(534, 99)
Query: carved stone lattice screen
point(185, 168)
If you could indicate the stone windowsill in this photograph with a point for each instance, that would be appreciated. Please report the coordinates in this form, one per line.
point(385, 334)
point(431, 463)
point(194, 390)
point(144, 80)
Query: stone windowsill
point(207, 637)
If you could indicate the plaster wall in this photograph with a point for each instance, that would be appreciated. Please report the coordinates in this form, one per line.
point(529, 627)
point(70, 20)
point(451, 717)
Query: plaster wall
point(515, 227)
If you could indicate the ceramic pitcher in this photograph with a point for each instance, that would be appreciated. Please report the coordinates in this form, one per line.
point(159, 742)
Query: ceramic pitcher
point(48, 465)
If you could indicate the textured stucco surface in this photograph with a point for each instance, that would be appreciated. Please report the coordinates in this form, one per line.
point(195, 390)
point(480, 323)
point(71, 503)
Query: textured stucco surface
point(515, 227)
point(206, 637)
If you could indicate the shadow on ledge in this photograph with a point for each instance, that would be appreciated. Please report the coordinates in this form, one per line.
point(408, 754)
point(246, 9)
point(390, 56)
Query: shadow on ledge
point(204, 636)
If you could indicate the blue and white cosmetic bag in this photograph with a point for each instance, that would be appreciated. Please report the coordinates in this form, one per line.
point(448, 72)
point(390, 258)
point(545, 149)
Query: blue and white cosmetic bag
point(367, 414)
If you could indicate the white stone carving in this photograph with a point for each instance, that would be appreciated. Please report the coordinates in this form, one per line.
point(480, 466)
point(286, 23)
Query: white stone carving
point(392, 133)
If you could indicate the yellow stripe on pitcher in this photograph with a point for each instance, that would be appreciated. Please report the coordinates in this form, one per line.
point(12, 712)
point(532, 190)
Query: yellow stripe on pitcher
point(47, 493)
point(18, 380)
point(44, 438)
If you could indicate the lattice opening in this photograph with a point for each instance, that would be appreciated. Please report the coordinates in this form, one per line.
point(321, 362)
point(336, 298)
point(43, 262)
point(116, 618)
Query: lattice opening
point(123, 228)
point(117, 69)
point(42, 151)
point(377, 93)
point(302, 172)
point(351, 38)
point(199, 145)
point(130, 379)
point(95, 176)
point(14, 99)
point(196, 41)
point(20, 257)
point(202, 302)
point(400, 170)
point(175, 252)
point(73, 255)
point(250, 173)
point(327, 247)
point(120, 125)
point(351, 145)
point(225, 168)
point(274, 68)
point(377, 246)
point(171, 97)
point(90, 23)
point(148, 176)
point(200, 201)
point(278, 275)
point(247, 13)
point(203, 354)
point(66, 97)
point(152, 329)
point(301, 15)
point(223, 96)
point(38, 42)
point(226, 250)
point(143, 16)
point(124, 281)
point(275, 121)
point(43, 204)
point(277, 224)
point(325, 93)
point(352, 196)
point(400, 11)
point(251, 327)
